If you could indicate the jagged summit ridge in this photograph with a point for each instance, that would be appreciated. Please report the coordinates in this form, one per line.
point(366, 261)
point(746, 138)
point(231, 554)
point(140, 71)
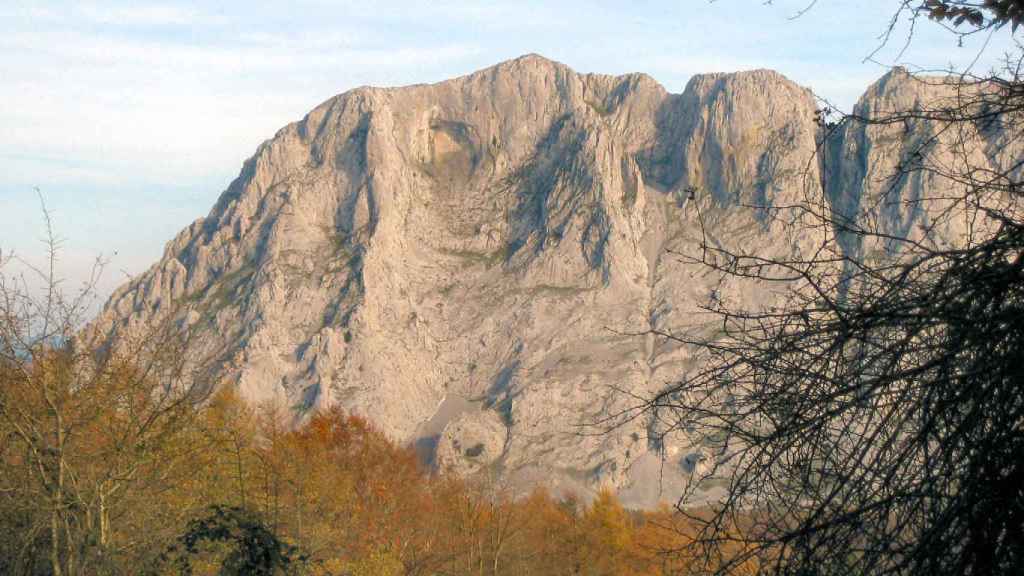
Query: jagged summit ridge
point(464, 262)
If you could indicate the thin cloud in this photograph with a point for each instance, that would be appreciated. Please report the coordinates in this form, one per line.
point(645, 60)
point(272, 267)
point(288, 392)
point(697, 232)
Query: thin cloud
point(139, 14)
point(266, 53)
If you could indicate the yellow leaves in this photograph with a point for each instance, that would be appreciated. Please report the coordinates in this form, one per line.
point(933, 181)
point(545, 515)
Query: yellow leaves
point(377, 562)
point(607, 522)
point(340, 490)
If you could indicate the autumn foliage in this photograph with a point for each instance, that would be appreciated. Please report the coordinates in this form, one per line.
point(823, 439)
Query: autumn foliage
point(355, 503)
point(116, 459)
point(226, 489)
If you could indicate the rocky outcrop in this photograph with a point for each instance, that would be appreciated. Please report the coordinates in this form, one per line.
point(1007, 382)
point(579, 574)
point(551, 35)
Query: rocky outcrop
point(904, 177)
point(468, 263)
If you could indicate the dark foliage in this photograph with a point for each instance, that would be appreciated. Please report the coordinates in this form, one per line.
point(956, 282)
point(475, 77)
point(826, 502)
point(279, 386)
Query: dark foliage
point(977, 14)
point(253, 549)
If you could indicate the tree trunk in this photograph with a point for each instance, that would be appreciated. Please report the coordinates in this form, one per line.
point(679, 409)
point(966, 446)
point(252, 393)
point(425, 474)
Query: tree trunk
point(55, 535)
point(104, 519)
point(57, 502)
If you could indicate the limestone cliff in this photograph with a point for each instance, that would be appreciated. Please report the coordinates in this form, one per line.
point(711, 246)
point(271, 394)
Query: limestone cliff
point(465, 263)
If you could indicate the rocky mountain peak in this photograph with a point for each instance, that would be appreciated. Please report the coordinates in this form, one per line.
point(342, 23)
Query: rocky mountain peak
point(467, 263)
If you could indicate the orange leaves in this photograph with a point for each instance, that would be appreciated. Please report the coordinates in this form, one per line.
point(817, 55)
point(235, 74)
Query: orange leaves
point(357, 503)
point(347, 496)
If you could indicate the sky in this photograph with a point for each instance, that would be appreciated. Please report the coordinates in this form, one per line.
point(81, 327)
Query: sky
point(130, 118)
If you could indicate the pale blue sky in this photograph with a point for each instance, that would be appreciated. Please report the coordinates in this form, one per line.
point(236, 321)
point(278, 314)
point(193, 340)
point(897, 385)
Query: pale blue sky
point(132, 117)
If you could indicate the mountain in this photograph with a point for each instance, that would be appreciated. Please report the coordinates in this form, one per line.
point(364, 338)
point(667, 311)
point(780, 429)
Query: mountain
point(473, 264)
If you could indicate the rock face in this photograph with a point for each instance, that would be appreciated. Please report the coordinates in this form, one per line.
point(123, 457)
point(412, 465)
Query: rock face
point(467, 263)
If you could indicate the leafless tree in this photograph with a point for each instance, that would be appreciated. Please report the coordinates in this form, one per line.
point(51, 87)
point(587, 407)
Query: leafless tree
point(873, 421)
point(85, 425)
